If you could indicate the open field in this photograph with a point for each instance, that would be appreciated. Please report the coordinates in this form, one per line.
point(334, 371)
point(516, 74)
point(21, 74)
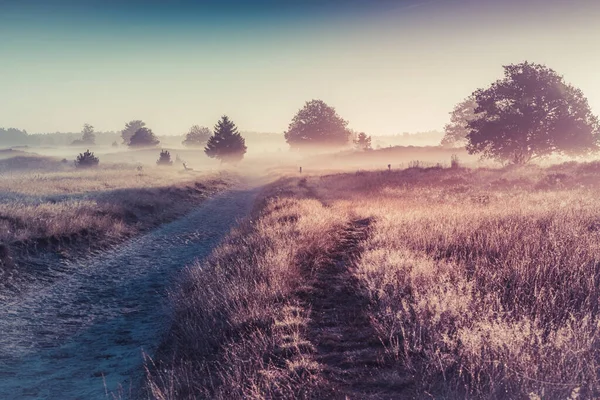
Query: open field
point(421, 283)
point(49, 205)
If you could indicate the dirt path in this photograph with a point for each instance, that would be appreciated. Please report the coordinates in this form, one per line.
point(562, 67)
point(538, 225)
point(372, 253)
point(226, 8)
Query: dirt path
point(64, 340)
point(353, 359)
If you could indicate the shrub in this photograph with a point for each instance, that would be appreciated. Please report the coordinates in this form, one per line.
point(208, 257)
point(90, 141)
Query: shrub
point(86, 160)
point(454, 162)
point(165, 158)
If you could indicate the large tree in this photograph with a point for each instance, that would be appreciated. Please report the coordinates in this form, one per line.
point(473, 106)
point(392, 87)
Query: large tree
point(455, 133)
point(130, 129)
point(143, 137)
point(317, 124)
point(531, 113)
point(226, 144)
point(197, 136)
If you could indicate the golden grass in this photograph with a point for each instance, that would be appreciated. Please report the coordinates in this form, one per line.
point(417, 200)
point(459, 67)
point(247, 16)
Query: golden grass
point(239, 331)
point(481, 284)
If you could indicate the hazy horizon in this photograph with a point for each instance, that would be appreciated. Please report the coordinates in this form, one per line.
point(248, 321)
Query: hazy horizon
point(387, 66)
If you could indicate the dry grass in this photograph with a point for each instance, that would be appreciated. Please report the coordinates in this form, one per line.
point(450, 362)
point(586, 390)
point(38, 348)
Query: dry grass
point(238, 329)
point(480, 283)
point(55, 209)
point(484, 283)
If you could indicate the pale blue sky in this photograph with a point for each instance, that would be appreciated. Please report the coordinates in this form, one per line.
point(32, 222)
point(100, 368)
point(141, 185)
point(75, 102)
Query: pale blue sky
point(387, 66)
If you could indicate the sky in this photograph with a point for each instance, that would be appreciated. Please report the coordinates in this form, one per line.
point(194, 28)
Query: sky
point(386, 66)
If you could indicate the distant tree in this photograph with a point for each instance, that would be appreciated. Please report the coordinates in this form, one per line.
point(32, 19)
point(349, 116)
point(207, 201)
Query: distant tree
point(531, 113)
point(88, 135)
point(164, 159)
point(455, 133)
point(226, 144)
point(131, 128)
point(86, 160)
point(317, 124)
point(197, 136)
point(363, 142)
point(115, 144)
point(143, 137)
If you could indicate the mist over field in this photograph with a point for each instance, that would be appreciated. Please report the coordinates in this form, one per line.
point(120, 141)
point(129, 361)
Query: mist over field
point(299, 200)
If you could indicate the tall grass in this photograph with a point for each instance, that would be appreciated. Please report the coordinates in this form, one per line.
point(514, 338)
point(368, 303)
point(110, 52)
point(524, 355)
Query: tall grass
point(484, 290)
point(239, 330)
point(481, 283)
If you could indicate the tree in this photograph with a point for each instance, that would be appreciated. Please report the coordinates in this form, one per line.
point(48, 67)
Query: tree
point(165, 158)
point(363, 142)
point(317, 124)
point(143, 137)
point(86, 160)
point(131, 128)
point(197, 136)
point(531, 113)
point(226, 144)
point(455, 133)
point(88, 137)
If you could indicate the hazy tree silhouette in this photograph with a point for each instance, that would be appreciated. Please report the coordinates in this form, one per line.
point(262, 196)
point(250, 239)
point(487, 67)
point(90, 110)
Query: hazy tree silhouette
point(131, 128)
point(197, 136)
point(363, 141)
point(164, 158)
point(86, 160)
point(143, 137)
point(455, 133)
point(226, 144)
point(317, 124)
point(531, 113)
point(88, 136)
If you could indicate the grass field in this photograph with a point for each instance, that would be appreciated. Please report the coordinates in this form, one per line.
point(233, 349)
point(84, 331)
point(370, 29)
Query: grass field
point(420, 283)
point(50, 205)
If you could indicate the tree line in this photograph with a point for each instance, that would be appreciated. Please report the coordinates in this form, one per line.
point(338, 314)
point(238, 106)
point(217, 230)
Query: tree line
point(528, 114)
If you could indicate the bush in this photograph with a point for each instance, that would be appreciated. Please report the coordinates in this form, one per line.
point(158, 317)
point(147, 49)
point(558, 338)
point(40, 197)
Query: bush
point(143, 137)
point(165, 158)
point(86, 160)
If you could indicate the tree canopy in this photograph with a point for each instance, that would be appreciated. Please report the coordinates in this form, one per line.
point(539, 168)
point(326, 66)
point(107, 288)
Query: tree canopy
point(531, 113)
point(197, 136)
point(143, 137)
point(226, 144)
point(455, 133)
point(130, 129)
point(317, 124)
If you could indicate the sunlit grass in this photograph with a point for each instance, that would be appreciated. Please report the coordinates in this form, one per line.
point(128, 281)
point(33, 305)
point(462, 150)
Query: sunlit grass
point(482, 284)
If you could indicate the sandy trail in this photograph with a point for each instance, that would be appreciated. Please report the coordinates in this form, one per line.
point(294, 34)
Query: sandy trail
point(63, 340)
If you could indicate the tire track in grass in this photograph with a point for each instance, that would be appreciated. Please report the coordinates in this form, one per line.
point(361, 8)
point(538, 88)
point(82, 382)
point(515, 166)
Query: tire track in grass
point(352, 358)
